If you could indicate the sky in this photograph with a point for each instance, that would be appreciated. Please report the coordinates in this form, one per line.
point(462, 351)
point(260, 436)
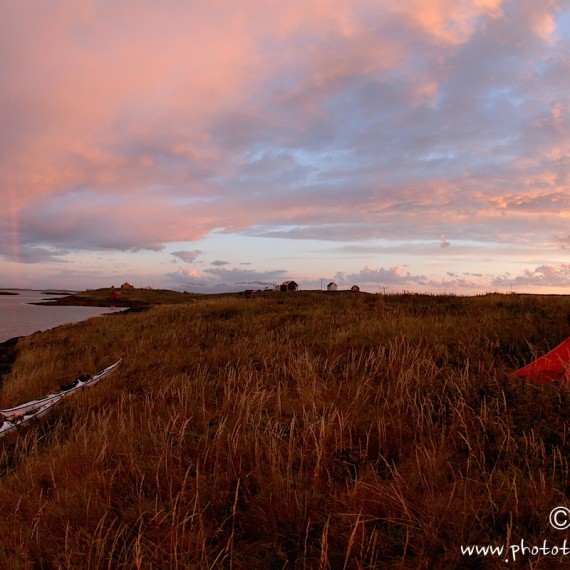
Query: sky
point(222, 145)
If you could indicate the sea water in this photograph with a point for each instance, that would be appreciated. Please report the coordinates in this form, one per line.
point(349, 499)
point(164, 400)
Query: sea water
point(19, 318)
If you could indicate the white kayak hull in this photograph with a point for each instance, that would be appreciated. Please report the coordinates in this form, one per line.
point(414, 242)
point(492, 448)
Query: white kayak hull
point(22, 414)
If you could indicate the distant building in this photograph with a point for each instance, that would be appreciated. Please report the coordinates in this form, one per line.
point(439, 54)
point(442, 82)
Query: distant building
point(126, 285)
point(115, 295)
point(332, 287)
point(355, 288)
point(288, 286)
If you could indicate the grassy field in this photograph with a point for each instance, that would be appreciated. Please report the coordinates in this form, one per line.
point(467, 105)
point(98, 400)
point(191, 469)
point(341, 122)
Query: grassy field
point(293, 430)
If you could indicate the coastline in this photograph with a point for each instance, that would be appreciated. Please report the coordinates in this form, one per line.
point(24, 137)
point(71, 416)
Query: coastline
point(77, 301)
point(9, 348)
point(21, 323)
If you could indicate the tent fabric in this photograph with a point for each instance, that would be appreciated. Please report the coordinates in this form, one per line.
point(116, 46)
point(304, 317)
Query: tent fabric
point(554, 365)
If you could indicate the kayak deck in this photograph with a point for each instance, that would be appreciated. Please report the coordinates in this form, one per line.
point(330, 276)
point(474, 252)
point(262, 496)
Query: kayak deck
point(17, 416)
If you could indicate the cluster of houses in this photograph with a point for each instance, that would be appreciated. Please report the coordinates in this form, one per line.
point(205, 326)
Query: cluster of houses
point(289, 285)
point(292, 286)
point(333, 287)
point(116, 295)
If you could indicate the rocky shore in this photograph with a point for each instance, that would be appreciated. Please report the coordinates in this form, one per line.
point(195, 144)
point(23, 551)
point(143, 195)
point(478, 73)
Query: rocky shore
point(81, 301)
point(8, 354)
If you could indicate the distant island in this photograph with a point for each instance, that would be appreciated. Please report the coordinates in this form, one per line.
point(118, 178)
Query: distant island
point(8, 293)
point(132, 298)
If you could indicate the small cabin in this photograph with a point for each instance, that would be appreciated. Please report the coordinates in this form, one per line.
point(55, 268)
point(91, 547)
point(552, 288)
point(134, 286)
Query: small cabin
point(288, 286)
point(355, 289)
point(126, 285)
point(115, 296)
point(332, 287)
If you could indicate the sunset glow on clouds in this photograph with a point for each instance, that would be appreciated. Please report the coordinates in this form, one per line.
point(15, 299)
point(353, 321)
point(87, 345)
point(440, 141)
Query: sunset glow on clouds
point(410, 144)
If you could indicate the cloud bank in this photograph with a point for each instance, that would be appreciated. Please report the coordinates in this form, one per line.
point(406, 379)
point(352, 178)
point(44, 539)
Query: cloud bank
point(129, 126)
point(543, 276)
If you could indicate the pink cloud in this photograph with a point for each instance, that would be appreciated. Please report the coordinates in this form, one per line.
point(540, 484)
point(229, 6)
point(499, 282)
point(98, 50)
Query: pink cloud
point(542, 276)
point(129, 126)
point(449, 21)
point(392, 276)
point(225, 278)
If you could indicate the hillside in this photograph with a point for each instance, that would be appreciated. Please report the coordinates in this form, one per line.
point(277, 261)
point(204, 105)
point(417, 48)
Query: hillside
point(294, 430)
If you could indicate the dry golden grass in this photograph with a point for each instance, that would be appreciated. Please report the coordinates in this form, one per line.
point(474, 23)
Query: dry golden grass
point(288, 431)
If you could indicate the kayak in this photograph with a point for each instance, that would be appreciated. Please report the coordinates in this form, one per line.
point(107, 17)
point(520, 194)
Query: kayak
point(17, 420)
point(84, 381)
point(29, 406)
point(13, 418)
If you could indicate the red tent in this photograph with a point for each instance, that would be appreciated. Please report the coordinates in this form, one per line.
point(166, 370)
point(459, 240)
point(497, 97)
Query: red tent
point(554, 365)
